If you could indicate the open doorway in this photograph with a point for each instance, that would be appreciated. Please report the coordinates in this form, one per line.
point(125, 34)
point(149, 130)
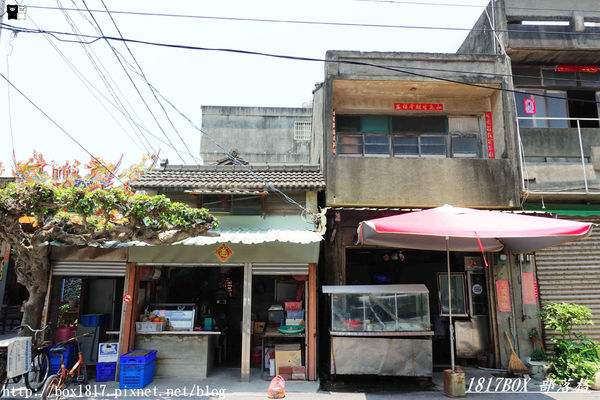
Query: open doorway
point(582, 104)
point(469, 293)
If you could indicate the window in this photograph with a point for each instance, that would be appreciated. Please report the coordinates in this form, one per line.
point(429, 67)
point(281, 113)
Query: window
point(302, 130)
point(237, 205)
point(409, 136)
point(548, 103)
point(549, 77)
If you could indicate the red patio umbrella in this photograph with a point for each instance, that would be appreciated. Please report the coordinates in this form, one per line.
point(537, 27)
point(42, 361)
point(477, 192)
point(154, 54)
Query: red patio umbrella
point(463, 229)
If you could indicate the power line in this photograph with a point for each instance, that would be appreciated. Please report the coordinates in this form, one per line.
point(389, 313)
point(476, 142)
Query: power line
point(301, 58)
point(61, 128)
point(323, 23)
point(144, 77)
point(135, 86)
point(98, 66)
point(89, 86)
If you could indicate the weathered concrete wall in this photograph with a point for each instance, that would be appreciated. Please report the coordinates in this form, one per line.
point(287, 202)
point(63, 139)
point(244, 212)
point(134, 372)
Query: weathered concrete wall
point(549, 9)
point(558, 142)
point(480, 39)
point(316, 145)
point(522, 317)
point(260, 134)
point(422, 182)
point(394, 181)
point(561, 142)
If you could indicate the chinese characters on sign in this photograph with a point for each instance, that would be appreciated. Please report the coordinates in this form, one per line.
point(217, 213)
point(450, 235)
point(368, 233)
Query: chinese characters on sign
point(576, 68)
point(489, 132)
point(418, 107)
point(223, 252)
point(529, 288)
point(334, 149)
point(529, 106)
point(503, 295)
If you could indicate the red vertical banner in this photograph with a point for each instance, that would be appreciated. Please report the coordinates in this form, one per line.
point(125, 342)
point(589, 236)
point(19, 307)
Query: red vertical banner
point(334, 144)
point(489, 132)
point(529, 290)
point(503, 296)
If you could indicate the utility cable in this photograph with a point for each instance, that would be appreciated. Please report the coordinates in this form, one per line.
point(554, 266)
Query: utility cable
point(323, 23)
point(301, 58)
point(89, 87)
point(144, 77)
point(104, 77)
point(61, 128)
point(9, 108)
point(135, 86)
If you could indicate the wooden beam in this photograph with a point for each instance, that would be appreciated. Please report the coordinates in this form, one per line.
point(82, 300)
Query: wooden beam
point(127, 334)
point(311, 319)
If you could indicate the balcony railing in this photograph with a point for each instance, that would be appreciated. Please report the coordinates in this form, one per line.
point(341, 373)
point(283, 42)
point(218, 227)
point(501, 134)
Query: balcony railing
point(566, 145)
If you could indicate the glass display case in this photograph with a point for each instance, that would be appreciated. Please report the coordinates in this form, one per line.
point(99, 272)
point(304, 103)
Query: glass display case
point(379, 308)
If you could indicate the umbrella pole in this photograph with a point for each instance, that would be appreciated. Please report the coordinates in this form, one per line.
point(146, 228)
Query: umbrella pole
point(450, 304)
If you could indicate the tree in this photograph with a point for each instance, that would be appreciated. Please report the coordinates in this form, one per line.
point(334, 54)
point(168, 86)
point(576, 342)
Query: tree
point(76, 209)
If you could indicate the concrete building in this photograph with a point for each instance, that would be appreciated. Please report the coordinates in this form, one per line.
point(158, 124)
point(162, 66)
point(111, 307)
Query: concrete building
point(553, 49)
point(395, 132)
point(259, 134)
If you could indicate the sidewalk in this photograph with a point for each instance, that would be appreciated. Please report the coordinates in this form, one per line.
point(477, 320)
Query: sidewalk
point(225, 384)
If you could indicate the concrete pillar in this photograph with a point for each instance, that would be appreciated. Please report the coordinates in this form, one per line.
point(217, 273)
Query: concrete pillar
point(577, 23)
point(246, 322)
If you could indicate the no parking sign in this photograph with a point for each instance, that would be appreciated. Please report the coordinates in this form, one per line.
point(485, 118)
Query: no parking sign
point(127, 298)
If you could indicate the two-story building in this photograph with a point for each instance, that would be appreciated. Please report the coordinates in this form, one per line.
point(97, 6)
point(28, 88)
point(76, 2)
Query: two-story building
point(396, 132)
point(553, 48)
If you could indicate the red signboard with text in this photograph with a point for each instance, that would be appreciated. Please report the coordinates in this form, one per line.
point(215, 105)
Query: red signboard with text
point(529, 288)
point(418, 107)
point(334, 144)
point(503, 295)
point(489, 132)
point(576, 68)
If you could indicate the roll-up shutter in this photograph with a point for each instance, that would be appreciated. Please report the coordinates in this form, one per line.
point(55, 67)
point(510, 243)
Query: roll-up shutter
point(265, 269)
point(87, 268)
point(570, 273)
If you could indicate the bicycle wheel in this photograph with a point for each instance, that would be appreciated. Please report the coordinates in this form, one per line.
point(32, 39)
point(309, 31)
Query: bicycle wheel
point(38, 372)
point(51, 389)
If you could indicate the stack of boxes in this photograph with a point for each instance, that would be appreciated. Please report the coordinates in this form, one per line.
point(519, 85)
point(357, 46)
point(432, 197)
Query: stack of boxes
point(106, 367)
point(288, 357)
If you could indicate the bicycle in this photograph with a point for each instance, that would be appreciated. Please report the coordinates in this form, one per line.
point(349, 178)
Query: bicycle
point(64, 377)
point(39, 364)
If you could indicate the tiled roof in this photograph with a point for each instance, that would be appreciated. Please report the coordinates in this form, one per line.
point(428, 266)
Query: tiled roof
point(232, 178)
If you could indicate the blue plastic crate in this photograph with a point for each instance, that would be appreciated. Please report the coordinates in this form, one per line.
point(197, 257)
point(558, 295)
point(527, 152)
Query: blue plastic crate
point(297, 314)
point(106, 371)
point(94, 319)
point(136, 376)
point(69, 356)
point(137, 357)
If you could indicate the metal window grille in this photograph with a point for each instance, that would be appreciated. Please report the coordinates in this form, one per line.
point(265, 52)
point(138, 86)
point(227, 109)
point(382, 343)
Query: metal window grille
point(302, 130)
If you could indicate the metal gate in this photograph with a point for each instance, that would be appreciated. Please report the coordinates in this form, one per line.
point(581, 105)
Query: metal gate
point(88, 268)
point(571, 273)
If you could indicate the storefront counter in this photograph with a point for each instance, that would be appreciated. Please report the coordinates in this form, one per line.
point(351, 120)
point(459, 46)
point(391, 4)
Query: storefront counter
point(380, 330)
point(180, 354)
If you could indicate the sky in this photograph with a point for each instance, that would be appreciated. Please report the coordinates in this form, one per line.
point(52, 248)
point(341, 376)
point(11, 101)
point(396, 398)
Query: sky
point(92, 107)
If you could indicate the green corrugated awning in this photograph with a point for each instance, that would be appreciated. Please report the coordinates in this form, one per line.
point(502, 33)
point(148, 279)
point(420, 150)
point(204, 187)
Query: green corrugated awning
point(573, 210)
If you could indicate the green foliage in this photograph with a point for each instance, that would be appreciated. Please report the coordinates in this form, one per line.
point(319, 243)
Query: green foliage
point(575, 359)
point(538, 355)
point(78, 210)
point(562, 317)
point(575, 355)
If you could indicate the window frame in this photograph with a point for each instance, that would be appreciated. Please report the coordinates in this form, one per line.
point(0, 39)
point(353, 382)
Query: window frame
point(449, 137)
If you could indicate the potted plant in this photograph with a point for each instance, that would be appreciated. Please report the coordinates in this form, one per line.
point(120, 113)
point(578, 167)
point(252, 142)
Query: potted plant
point(66, 326)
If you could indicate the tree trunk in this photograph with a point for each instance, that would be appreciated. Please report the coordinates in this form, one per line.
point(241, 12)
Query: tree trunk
point(35, 279)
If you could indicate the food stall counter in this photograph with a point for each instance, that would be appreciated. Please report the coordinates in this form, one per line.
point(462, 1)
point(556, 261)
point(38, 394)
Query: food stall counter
point(380, 330)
